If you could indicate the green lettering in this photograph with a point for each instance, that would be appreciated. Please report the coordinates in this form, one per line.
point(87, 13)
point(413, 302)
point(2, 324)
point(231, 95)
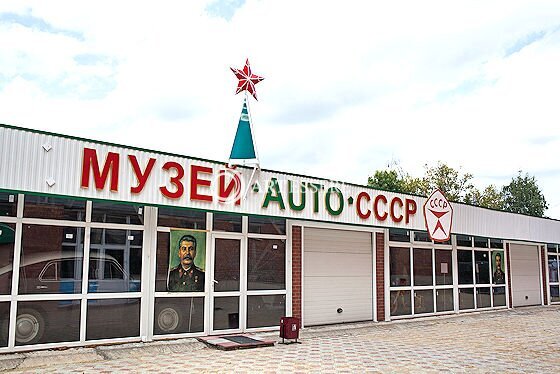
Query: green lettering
point(273, 194)
point(293, 206)
point(340, 201)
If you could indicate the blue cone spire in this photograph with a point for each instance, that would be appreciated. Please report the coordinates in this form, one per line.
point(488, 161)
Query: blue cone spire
point(243, 147)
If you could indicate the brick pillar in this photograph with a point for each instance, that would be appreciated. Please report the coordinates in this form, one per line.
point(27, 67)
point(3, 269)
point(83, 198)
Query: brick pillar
point(544, 263)
point(509, 276)
point(380, 274)
point(296, 271)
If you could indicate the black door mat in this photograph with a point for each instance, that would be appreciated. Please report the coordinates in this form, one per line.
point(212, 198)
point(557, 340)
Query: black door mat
point(238, 341)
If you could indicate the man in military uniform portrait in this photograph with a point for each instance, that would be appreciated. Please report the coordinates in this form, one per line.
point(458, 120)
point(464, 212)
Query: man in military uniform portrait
point(186, 277)
point(499, 275)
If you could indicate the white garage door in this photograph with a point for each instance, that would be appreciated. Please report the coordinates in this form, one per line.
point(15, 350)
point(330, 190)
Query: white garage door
point(338, 270)
point(525, 275)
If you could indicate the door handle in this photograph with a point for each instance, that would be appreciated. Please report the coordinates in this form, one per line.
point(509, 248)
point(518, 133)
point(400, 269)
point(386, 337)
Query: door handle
point(42, 287)
point(215, 281)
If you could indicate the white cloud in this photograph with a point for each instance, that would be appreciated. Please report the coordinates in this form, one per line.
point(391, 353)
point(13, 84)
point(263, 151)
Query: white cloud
point(348, 85)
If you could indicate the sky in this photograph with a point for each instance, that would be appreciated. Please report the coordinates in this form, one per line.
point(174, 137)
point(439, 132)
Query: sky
point(350, 86)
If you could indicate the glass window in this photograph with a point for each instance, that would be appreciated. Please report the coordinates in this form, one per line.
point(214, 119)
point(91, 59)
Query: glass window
point(421, 236)
point(552, 269)
point(227, 264)
point(554, 294)
point(47, 321)
point(400, 303)
point(44, 249)
point(444, 300)
point(266, 264)
point(54, 208)
point(115, 261)
point(464, 241)
point(226, 313)
point(480, 242)
point(182, 218)
point(499, 296)
point(226, 222)
point(399, 235)
point(8, 204)
point(483, 297)
point(264, 311)
point(465, 262)
point(399, 266)
point(482, 267)
point(178, 315)
point(7, 239)
point(5, 313)
point(423, 267)
point(112, 212)
point(444, 267)
point(466, 298)
point(496, 243)
point(551, 248)
point(267, 225)
point(162, 261)
point(112, 318)
point(423, 301)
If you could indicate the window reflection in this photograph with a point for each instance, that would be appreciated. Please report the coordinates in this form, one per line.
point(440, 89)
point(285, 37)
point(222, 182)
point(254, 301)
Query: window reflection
point(444, 267)
point(552, 269)
point(399, 266)
point(174, 315)
point(423, 267)
point(400, 303)
point(267, 225)
point(112, 318)
point(465, 262)
point(110, 212)
point(47, 321)
point(182, 218)
point(4, 323)
point(266, 264)
point(51, 259)
point(466, 298)
point(8, 204)
point(7, 240)
point(54, 208)
point(266, 310)
point(226, 222)
point(482, 267)
point(115, 261)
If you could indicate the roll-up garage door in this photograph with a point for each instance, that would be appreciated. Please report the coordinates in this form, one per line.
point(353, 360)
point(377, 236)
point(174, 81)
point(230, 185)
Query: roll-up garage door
point(525, 275)
point(338, 270)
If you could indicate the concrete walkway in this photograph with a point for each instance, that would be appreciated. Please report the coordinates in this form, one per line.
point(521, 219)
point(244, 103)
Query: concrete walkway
point(520, 340)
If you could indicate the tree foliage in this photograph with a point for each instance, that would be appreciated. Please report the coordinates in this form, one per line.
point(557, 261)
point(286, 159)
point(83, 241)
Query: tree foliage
point(522, 195)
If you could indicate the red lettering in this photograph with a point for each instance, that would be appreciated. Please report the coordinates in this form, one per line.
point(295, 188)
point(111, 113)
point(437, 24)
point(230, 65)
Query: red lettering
point(376, 207)
point(195, 182)
point(410, 209)
point(176, 180)
point(362, 195)
point(234, 185)
point(90, 162)
point(393, 203)
point(141, 177)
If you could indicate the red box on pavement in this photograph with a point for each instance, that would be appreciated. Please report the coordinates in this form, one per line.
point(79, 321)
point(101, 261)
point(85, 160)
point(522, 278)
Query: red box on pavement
point(289, 328)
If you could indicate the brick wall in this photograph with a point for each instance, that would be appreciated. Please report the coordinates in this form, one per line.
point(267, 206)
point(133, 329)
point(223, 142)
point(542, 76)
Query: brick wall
point(296, 271)
point(543, 266)
point(509, 276)
point(380, 275)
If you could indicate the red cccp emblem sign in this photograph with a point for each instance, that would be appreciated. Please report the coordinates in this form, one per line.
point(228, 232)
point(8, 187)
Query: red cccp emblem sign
point(438, 215)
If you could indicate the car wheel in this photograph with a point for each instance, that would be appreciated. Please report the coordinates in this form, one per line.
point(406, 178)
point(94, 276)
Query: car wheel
point(168, 319)
point(30, 326)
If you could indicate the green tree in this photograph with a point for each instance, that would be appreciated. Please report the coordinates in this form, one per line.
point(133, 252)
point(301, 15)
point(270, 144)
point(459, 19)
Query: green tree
point(395, 179)
point(491, 197)
point(523, 195)
point(455, 185)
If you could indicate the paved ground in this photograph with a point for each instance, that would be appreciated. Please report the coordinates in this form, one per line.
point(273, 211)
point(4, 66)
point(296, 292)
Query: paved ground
point(521, 340)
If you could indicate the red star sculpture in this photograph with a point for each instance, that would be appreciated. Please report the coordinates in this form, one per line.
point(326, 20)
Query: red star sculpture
point(247, 79)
